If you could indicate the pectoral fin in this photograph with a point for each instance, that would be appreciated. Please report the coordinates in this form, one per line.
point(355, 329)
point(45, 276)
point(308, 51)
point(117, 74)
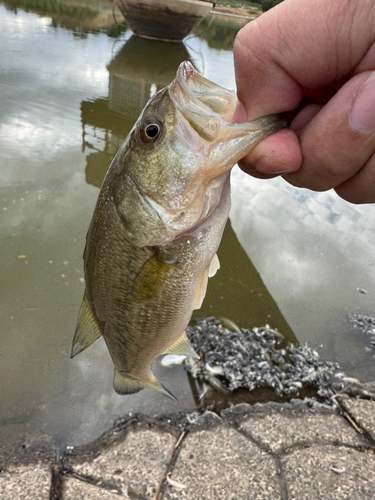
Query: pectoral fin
point(87, 330)
point(150, 279)
point(126, 384)
point(182, 347)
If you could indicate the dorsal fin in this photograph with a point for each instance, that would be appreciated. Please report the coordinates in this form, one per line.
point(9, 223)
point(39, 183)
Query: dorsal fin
point(87, 330)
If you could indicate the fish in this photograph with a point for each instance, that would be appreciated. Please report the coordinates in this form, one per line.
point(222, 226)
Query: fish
point(160, 215)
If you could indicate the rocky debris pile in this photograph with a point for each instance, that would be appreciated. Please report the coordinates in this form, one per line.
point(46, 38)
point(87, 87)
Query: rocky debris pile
point(367, 325)
point(256, 358)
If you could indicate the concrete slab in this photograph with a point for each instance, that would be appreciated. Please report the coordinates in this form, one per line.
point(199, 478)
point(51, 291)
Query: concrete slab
point(138, 463)
point(25, 482)
point(298, 451)
point(363, 413)
point(74, 489)
point(220, 463)
point(280, 428)
point(328, 472)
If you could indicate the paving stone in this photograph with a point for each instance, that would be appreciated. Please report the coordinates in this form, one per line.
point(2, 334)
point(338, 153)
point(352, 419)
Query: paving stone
point(278, 431)
point(363, 412)
point(25, 482)
point(74, 489)
point(309, 474)
point(222, 464)
point(138, 463)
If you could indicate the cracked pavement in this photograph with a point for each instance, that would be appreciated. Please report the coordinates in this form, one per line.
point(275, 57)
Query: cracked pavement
point(298, 450)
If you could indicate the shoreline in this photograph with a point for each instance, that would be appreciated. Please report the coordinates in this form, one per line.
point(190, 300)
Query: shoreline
point(244, 12)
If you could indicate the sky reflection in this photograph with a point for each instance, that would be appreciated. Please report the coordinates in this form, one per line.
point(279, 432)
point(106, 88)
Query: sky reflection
point(313, 251)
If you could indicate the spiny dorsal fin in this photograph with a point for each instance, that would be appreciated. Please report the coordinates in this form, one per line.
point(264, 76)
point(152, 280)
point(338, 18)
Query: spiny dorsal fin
point(126, 384)
point(182, 347)
point(87, 330)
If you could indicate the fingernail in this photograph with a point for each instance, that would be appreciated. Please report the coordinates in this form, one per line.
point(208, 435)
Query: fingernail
point(239, 115)
point(265, 166)
point(362, 116)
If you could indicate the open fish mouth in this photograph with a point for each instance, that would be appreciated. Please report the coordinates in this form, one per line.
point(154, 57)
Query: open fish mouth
point(221, 101)
point(202, 103)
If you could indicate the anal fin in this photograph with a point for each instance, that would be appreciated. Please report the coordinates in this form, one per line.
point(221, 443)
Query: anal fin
point(182, 347)
point(87, 330)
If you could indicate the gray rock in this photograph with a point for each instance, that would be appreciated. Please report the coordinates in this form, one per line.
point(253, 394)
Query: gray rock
point(329, 473)
point(222, 464)
point(137, 464)
point(25, 482)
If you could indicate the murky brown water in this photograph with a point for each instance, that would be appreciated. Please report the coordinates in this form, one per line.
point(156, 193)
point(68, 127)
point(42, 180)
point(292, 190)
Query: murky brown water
point(72, 83)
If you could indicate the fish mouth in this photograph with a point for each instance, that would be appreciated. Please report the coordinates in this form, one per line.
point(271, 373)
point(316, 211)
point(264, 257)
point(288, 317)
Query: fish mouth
point(209, 108)
point(202, 103)
point(185, 71)
point(219, 100)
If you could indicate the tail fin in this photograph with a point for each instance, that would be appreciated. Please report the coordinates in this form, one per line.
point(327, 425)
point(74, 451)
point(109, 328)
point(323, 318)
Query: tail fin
point(126, 384)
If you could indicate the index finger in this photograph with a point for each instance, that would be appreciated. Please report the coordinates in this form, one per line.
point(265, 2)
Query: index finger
point(295, 46)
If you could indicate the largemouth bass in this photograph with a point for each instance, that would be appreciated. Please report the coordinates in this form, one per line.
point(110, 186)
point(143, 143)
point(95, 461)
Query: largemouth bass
point(158, 221)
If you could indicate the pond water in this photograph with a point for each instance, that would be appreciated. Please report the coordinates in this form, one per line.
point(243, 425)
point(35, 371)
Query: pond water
point(72, 83)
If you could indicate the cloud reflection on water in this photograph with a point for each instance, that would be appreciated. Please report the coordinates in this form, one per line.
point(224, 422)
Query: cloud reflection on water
point(313, 251)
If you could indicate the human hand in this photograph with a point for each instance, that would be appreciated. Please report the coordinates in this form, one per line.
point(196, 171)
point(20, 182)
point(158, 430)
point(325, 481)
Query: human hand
point(316, 60)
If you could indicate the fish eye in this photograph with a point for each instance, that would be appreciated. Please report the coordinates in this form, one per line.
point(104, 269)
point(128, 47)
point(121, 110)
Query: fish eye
point(150, 132)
